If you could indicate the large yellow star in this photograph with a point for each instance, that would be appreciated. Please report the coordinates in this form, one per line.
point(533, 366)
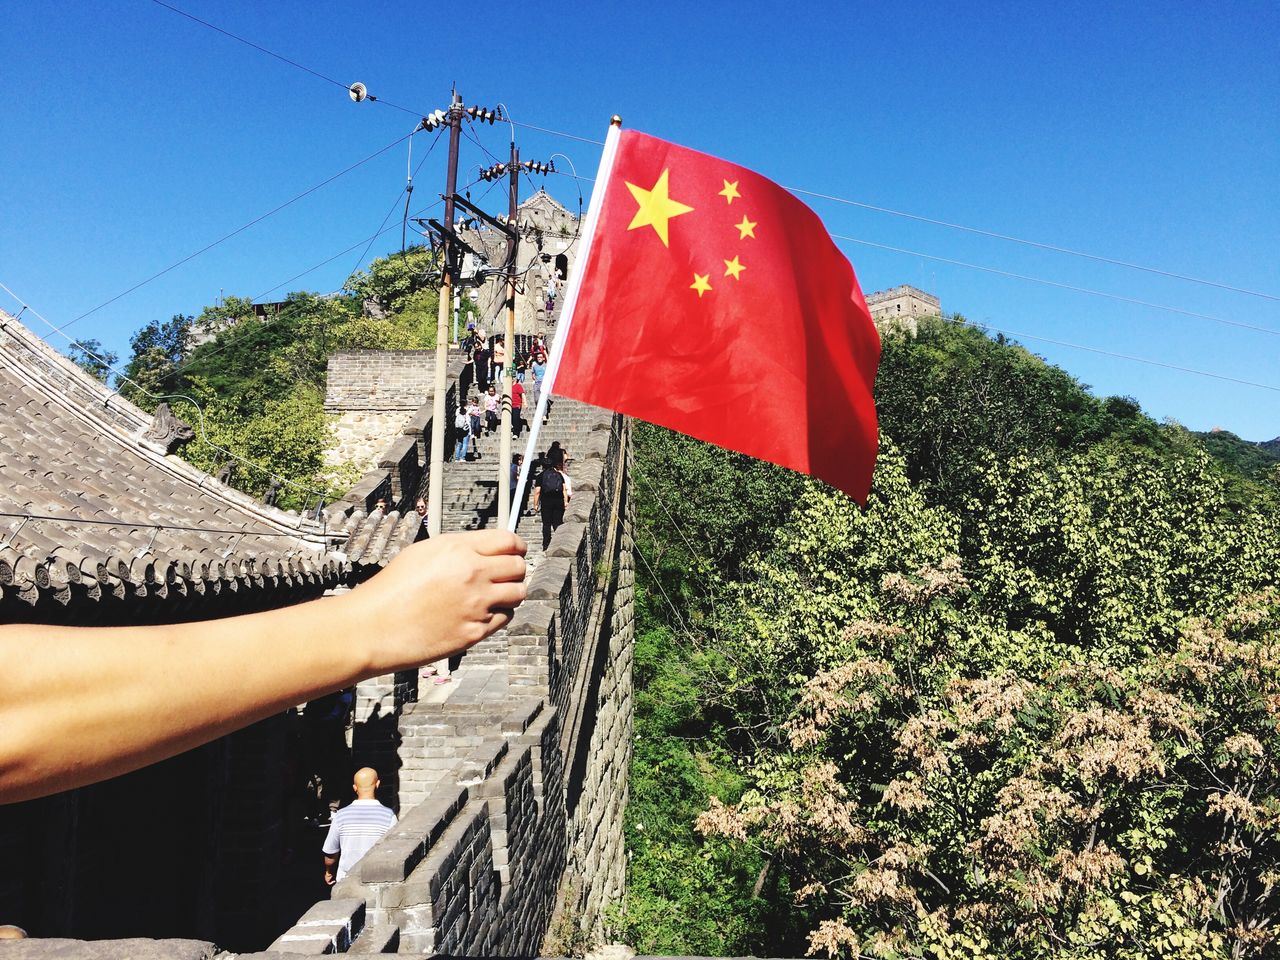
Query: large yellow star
point(730, 191)
point(732, 268)
point(701, 283)
point(656, 207)
point(746, 228)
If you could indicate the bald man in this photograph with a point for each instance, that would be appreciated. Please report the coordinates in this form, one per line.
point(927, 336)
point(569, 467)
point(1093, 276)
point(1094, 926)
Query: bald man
point(356, 828)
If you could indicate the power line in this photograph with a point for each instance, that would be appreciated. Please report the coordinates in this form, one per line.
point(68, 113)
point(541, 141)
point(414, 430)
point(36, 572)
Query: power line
point(250, 43)
point(1122, 356)
point(147, 525)
point(280, 57)
point(258, 328)
point(558, 133)
point(1063, 286)
point(394, 203)
point(240, 229)
point(204, 436)
point(1035, 243)
point(809, 193)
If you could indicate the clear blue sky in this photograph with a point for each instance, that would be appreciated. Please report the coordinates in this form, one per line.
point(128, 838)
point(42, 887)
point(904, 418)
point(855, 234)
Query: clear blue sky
point(1143, 132)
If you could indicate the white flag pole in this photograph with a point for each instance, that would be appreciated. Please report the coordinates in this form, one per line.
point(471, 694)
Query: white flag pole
point(566, 311)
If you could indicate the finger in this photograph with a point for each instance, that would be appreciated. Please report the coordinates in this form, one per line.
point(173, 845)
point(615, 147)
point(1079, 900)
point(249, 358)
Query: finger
point(505, 569)
point(499, 619)
point(494, 543)
point(508, 595)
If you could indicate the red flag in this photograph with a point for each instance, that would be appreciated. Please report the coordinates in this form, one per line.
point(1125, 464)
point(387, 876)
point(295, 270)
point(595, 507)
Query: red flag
point(713, 302)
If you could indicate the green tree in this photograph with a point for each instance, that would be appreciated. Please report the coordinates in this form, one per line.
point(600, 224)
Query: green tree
point(91, 357)
point(158, 349)
point(393, 280)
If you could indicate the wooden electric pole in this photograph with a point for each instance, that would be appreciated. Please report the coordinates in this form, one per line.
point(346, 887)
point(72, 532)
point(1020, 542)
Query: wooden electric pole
point(508, 412)
point(440, 420)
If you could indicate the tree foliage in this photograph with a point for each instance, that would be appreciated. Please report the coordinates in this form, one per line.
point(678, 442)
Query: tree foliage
point(94, 359)
point(254, 391)
point(1025, 704)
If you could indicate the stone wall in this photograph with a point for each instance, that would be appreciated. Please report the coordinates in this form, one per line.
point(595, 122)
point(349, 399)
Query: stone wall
point(379, 380)
point(901, 306)
point(381, 403)
point(512, 791)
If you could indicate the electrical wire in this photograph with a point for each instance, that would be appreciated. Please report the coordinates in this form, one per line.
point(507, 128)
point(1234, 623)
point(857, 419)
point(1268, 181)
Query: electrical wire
point(280, 57)
point(148, 525)
point(798, 190)
point(408, 192)
point(238, 230)
point(1119, 356)
point(558, 133)
point(1035, 243)
point(199, 410)
point(284, 315)
point(121, 376)
point(1062, 286)
point(470, 132)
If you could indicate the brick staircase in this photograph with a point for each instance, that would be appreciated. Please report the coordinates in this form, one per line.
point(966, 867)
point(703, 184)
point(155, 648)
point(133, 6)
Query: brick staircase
point(471, 486)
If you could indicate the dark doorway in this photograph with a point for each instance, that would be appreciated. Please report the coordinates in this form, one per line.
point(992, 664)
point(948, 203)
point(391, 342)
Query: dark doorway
point(562, 266)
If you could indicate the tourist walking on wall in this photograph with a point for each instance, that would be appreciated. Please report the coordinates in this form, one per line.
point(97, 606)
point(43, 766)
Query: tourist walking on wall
point(420, 508)
point(551, 495)
point(499, 359)
point(462, 429)
point(517, 409)
point(474, 411)
point(491, 408)
point(480, 357)
point(356, 828)
point(539, 370)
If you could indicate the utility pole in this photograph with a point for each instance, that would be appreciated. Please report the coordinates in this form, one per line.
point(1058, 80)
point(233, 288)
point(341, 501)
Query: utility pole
point(439, 421)
point(508, 414)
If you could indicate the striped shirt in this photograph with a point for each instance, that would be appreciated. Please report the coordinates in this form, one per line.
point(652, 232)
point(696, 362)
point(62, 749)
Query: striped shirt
point(354, 831)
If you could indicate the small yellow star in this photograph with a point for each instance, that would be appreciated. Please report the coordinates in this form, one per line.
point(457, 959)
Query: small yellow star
point(655, 207)
point(730, 191)
point(746, 229)
point(732, 268)
point(701, 283)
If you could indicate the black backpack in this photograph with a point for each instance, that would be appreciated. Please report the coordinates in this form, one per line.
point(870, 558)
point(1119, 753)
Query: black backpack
point(551, 482)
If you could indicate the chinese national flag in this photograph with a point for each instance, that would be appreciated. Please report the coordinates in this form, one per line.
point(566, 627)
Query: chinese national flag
point(713, 302)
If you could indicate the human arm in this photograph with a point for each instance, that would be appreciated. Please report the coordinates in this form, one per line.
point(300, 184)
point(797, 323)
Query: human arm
point(81, 704)
point(330, 849)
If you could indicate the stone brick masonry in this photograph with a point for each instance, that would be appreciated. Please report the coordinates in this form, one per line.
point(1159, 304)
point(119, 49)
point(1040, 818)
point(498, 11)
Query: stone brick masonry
point(512, 790)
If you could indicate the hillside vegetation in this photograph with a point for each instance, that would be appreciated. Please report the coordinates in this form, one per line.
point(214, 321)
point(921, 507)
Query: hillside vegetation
point(256, 388)
point(1025, 704)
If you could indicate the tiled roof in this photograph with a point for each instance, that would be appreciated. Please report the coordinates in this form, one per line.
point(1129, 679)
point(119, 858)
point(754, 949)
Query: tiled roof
point(92, 511)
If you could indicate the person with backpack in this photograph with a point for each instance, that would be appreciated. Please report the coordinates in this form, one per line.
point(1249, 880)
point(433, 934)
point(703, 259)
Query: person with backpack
point(550, 495)
point(462, 432)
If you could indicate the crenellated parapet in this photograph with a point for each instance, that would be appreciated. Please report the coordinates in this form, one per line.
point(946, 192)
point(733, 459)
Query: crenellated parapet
point(511, 780)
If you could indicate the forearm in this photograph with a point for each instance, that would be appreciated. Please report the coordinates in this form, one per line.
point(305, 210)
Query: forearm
point(128, 696)
point(80, 704)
